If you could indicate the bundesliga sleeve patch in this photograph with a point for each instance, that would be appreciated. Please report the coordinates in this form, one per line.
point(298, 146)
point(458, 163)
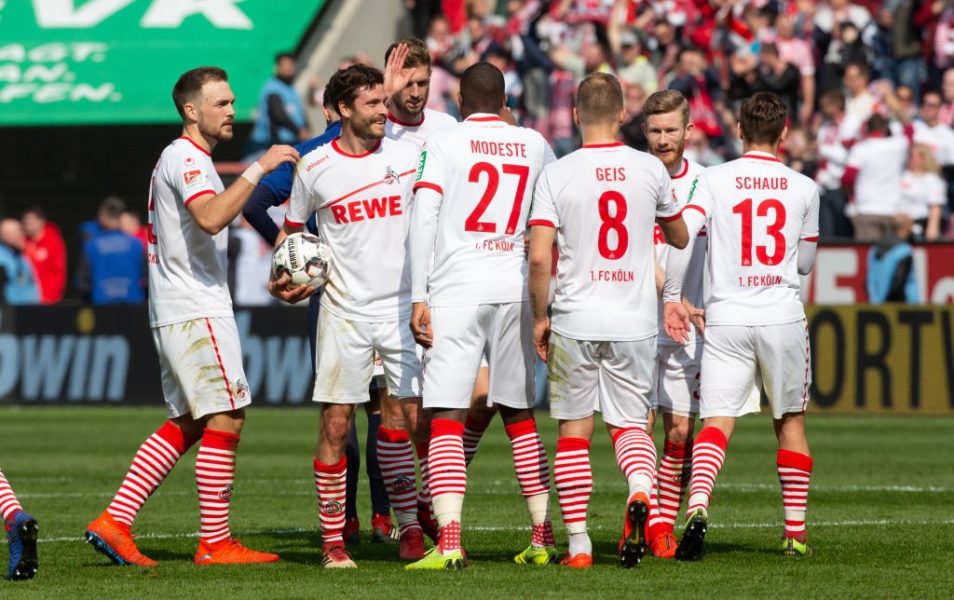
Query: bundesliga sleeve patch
point(194, 178)
point(420, 166)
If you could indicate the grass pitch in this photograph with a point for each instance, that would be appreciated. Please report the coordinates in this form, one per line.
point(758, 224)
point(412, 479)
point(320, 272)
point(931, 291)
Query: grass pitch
point(879, 516)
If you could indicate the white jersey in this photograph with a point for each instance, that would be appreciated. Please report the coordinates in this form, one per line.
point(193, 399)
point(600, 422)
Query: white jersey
point(939, 138)
point(692, 286)
point(431, 121)
point(362, 205)
point(920, 192)
point(188, 268)
point(879, 162)
point(603, 201)
point(485, 170)
point(756, 211)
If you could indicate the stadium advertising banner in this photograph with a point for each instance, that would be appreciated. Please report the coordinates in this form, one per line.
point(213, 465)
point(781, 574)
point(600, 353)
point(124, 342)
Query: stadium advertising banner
point(106, 355)
point(866, 359)
point(115, 61)
point(889, 359)
point(840, 271)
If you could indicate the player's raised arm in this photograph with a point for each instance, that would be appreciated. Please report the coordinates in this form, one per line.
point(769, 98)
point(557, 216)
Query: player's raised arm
point(213, 213)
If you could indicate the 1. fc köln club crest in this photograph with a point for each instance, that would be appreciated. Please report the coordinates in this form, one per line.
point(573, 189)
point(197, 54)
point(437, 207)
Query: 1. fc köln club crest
point(391, 176)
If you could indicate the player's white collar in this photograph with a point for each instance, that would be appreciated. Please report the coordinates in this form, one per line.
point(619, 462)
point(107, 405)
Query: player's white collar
point(682, 172)
point(484, 118)
point(761, 155)
point(397, 121)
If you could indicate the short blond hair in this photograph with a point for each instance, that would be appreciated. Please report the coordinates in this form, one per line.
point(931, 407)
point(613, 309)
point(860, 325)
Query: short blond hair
point(667, 101)
point(599, 99)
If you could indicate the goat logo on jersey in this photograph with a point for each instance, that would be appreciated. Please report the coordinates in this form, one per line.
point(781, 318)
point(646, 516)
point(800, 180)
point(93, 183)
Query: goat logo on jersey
point(391, 176)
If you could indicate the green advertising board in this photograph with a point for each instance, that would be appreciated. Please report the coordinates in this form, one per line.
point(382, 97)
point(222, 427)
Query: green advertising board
point(66, 62)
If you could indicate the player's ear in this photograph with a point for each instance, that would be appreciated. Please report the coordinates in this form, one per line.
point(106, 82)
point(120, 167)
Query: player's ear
point(622, 116)
point(576, 117)
point(344, 110)
point(738, 131)
point(784, 135)
point(689, 127)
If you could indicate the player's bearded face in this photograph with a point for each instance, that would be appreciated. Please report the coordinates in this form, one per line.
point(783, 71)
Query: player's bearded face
point(216, 110)
point(666, 135)
point(368, 114)
point(413, 97)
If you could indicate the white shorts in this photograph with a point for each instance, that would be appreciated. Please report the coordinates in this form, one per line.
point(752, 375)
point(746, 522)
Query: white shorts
point(345, 359)
point(735, 355)
point(200, 362)
point(462, 335)
point(678, 382)
point(614, 378)
point(379, 369)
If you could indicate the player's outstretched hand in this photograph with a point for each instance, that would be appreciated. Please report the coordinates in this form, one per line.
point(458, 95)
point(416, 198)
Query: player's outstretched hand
point(541, 338)
point(697, 316)
point(283, 289)
point(676, 321)
point(277, 155)
point(396, 76)
point(421, 324)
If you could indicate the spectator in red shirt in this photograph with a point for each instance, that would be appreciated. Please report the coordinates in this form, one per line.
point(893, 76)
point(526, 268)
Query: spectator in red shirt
point(46, 251)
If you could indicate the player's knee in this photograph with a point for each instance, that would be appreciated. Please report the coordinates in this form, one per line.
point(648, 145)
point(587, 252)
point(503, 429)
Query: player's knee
point(231, 421)
point(335, 429)
point(679, 432)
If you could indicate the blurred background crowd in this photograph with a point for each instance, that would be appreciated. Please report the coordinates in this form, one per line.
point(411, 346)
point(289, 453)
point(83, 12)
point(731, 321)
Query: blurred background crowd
point(869, 83)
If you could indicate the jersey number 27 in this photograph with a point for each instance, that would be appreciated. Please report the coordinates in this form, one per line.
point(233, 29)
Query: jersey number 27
point(473, 222)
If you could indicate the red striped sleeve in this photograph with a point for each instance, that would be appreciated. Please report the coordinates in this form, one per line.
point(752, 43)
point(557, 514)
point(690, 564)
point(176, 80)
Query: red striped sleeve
point(294, 224)
point(198, 195)
point(810, 239)
point(428, 185)
point(541, 223)
point(695, 207)
point(670, 218)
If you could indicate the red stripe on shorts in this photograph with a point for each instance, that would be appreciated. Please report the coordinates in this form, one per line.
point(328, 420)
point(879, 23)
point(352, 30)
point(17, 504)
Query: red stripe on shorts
point(218, 357)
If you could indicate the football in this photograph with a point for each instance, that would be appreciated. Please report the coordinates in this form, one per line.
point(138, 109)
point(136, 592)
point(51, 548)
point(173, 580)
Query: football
point(303, 256)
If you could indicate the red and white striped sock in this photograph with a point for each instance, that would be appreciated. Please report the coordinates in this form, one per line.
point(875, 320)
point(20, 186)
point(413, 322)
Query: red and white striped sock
point(330, 483)
point(636, 457)
point(708, 454)
point(794, 472)
point(473, 432)
point(153, 461)
point(448, 479)
point(533, 475)
point(214, 477)
point(9, 505)
point(424, 496)
point(672, 480)
point(396, 458)
point(574, 483)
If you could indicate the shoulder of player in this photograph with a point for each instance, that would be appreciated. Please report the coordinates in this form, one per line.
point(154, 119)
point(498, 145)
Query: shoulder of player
point(316, 161)
point(402, 148)
point(183, 155)
point(438, 119)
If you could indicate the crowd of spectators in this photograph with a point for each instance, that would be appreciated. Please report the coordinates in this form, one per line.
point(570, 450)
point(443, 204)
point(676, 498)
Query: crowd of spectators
point(836, 63)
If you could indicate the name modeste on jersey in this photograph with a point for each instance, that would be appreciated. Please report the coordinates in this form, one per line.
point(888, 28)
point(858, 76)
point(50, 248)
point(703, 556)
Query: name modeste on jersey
point(485, 170)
